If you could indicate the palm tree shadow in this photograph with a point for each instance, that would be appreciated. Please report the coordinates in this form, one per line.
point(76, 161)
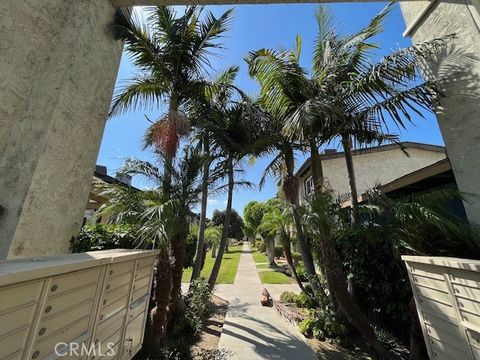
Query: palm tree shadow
point(274, 343)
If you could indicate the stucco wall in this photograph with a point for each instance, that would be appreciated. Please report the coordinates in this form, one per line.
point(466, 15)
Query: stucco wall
point(57, 69)
point(459, 113)
point(373, 168)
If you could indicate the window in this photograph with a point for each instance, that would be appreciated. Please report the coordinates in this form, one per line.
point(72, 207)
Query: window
point(308, 186)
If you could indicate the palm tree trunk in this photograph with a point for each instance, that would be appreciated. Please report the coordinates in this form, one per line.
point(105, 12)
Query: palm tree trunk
point(290, 189)
point(197, 265)
point(316, 167)
point(271, 251)
point(178, 244)
point(223, 240)
point(337, 283)
point(162, 289)
point(347, 147)
point(288, 255)
point(167, 175)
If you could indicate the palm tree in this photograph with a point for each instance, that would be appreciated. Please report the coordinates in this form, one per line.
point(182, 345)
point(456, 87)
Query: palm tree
point(302, 101)
point(201, 110)
point(172, 55)
point(286, 92)
point(212, 237)
point(277, 221)
point(237, 131)
point(162, 221)
point(312, 106)
point(365, 95)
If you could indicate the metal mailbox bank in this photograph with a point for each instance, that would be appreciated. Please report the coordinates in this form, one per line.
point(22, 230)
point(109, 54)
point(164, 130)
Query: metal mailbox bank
point(80, 306)
point(447, 295)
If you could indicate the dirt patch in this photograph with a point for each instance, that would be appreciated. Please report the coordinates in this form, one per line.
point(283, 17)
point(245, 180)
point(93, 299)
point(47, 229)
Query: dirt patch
point(212, 328)
point(328, 351)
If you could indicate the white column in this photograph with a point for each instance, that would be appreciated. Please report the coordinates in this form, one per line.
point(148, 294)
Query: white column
point(58, 64)
point(459, 120)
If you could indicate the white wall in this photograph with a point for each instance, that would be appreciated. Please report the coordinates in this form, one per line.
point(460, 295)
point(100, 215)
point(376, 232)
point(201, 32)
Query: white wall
point(373, 168)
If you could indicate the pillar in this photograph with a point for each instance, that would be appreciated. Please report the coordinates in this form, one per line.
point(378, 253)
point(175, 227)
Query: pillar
point(459, 114)
point(58, 64)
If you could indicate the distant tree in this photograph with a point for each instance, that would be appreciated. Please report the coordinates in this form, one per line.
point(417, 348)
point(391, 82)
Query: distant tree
point(235, 229)
point(252, 215)
point(212, 237)
point(190, 246)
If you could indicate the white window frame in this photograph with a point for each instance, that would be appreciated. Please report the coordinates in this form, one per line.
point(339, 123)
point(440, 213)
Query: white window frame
point(308, 186)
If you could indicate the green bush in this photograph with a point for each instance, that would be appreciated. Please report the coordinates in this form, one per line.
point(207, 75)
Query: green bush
point(305, 301)
point(289, 297)
point(301, 272)
point(278, 251)
point(297, 257)
point(197, 305)
point(175, 348)
point(190, 247)
point(262, 246)
point(324, 323)
point(105, 237)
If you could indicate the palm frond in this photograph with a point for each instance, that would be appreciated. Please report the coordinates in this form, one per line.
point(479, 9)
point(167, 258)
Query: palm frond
point(143, 92)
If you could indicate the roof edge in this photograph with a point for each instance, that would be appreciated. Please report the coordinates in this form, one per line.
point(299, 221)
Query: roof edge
point(406, 144)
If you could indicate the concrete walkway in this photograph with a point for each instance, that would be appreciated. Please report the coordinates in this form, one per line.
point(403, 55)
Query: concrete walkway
point(252, 331)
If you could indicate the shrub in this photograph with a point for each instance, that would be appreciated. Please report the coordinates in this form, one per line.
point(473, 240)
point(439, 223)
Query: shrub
point(324, 323)
point(262, 246)
point(104, 237)
point(305, 301)
point(278, 251)
point(301, 272)
point(288, 297)
point(197, 304)
point(297, 257)
point(175, 348)
point(190, 247)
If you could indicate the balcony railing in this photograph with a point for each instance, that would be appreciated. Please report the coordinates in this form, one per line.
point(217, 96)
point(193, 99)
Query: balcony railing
point(78, 306)
point(447, 295)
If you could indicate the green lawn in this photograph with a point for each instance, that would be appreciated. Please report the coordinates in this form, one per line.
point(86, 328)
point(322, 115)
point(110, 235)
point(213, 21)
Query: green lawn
point(263, 266)
point(228, 269)
point(274, 277)
point(259, 258)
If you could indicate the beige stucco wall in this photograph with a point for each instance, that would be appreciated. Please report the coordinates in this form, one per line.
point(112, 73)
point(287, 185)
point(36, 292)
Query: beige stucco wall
point(459, 114)
point(373, 168)
point(58, 63)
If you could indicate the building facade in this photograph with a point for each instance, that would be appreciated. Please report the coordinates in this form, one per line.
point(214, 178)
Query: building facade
point(373, 166)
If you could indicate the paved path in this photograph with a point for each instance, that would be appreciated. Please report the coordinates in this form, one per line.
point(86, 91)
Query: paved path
point(252, 331)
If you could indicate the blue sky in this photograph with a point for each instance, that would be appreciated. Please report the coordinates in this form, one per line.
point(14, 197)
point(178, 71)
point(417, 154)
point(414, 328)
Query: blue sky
point(254, 27)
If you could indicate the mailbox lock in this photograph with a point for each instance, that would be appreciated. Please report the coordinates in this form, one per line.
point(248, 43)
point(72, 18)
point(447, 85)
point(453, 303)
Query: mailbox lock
point(48, 309)
point(54, 288)
point(42, 331)
point(111, 272)
point(35, 354)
